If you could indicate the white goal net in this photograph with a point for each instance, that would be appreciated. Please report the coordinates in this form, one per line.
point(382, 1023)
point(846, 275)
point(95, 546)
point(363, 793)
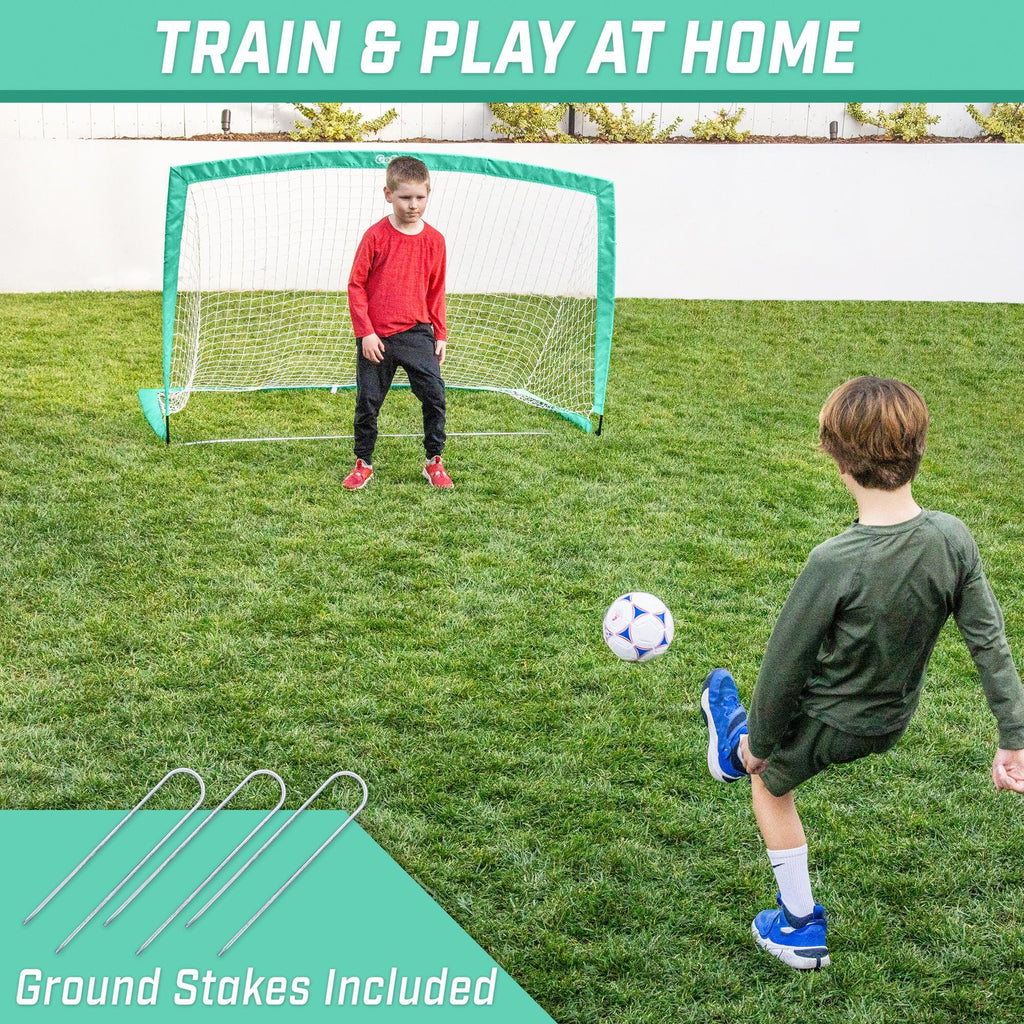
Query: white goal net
point(263, 255)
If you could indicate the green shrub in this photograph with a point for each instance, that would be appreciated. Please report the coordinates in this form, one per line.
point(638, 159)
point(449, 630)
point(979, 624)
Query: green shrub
point(530, 122)
point(908, 122)
point(331, 122)
point(624, 127)
point(721, 127)
point(1004, 121)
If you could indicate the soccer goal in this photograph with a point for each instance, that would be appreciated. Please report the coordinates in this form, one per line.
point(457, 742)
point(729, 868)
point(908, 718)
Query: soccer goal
point(258, 253)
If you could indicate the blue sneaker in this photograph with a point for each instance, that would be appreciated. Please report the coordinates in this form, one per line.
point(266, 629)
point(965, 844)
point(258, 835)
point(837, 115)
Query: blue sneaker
point(726, 720)
point(796, 941)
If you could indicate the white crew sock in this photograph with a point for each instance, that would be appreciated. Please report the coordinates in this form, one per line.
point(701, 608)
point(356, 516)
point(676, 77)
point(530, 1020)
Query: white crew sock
point(794, 879)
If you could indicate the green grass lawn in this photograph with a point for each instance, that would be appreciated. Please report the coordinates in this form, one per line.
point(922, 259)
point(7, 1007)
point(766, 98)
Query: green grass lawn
point(231, 607)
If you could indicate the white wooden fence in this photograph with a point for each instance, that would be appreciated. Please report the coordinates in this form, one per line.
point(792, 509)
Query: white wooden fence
point(453, 122)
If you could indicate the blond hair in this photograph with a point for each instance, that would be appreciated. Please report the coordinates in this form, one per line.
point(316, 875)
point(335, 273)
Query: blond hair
point(875, 429)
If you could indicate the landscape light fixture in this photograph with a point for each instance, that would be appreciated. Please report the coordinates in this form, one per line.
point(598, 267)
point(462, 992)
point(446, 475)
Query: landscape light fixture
point(225, 121)
point(833, 130)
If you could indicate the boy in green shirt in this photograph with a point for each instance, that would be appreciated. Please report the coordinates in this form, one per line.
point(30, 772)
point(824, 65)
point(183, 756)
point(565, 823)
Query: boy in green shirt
point(844, 667)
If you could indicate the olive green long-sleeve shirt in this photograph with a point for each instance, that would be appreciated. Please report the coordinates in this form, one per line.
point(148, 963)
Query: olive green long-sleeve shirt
point(853, 640)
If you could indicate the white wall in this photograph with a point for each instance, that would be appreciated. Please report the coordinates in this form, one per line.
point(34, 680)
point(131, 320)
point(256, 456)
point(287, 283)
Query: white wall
point(455, 122)
point(928, 222)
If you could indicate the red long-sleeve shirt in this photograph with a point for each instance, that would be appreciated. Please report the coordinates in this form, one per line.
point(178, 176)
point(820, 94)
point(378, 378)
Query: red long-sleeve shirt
point(397, 281)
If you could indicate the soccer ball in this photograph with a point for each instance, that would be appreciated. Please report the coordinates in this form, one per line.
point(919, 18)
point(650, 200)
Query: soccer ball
point(638, 627)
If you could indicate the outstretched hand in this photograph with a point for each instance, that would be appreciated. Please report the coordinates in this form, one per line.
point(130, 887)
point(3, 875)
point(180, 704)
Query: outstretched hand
point(1008, 770)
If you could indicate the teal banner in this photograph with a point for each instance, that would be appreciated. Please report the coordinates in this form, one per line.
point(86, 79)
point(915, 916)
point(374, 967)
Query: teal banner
point(443, 50)
point(354, 938)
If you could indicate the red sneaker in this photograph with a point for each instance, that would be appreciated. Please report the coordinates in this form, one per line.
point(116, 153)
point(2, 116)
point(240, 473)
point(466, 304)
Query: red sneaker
point(359, 477)
point(434, 472)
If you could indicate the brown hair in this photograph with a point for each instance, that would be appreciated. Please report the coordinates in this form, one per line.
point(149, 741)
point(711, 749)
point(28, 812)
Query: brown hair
point(407, 168)
point(875, 429)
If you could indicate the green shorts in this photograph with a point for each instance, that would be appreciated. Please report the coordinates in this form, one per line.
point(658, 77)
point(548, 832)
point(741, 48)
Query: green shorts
point(809, 747)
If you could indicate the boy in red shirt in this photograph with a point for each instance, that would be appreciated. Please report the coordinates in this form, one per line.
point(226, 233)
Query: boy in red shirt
point(396, 301)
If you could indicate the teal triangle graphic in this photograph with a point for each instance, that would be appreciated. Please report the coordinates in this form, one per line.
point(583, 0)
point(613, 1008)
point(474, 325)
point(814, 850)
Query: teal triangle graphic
point(354, 938)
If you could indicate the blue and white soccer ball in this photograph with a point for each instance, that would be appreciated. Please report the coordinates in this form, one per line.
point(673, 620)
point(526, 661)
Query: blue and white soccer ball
point(638, 627)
